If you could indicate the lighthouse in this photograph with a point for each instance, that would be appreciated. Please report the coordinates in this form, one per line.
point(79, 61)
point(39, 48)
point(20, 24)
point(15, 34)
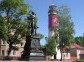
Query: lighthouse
point(52, 19)
point(53, 23)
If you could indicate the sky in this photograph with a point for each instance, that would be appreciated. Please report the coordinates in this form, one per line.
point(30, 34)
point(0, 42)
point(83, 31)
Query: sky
point(40, 7)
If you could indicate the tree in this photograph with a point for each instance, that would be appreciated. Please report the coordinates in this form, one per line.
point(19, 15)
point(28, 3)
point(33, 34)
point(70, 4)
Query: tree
point(79, 40)
point(3, 32)
point(65, 28)
point(50, 46)
point(12, 12)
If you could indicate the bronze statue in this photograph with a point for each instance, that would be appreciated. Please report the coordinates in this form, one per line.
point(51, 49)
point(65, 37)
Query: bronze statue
point(32, 45)
point(32, 26)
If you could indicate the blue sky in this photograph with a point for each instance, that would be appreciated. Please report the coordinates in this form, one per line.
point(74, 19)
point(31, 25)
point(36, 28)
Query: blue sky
point(41, 9)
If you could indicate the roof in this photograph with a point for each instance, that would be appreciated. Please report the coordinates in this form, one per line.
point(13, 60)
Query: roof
point(76, 46)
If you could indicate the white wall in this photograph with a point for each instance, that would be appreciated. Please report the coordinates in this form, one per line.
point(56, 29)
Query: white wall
point(5, 47)
point(66, 56)
point(78, 52)
point(58, 55)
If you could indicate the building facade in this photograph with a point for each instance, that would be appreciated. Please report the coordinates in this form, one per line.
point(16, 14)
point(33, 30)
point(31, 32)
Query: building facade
point(4, 46)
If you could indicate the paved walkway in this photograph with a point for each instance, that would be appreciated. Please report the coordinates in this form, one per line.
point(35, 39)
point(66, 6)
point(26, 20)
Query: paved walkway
point(35, 61)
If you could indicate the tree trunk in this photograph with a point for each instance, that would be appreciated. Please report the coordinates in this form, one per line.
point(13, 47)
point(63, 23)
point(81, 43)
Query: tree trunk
point(61, 54)
point(10, 48)
point(9, 51)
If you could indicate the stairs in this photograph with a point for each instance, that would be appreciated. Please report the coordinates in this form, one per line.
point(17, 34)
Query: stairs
point(36, 56)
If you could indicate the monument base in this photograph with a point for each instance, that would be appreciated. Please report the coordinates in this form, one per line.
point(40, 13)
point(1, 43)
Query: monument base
point(32, 49)
point(36, 56)
point(36, 52)
point(26, 53)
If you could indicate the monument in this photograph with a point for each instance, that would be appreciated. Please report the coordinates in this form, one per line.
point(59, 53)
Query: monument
point(32, 48)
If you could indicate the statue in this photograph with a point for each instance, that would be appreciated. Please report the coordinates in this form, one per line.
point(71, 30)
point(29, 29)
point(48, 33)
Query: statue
point(32, 46)
point(32, 25)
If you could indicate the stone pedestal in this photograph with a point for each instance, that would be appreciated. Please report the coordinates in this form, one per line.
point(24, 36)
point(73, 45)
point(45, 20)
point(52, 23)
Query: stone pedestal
point(36, 53)
point(32, 49)
point(26, 53)
point(36, 56)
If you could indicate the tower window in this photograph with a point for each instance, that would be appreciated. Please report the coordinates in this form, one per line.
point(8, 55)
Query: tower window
point(2, 52)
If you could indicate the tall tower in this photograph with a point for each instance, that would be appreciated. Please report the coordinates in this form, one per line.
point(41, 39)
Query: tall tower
point(53, 20)
point(53, 23)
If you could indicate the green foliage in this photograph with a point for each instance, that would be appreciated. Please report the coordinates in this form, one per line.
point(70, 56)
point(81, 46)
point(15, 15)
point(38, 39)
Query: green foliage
point(65, 27)
point(13, 11)
point(51, 43)
point(13, 7)
point(51, 46)
point(79, 40)
point(3, 32)
point(13, 26)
